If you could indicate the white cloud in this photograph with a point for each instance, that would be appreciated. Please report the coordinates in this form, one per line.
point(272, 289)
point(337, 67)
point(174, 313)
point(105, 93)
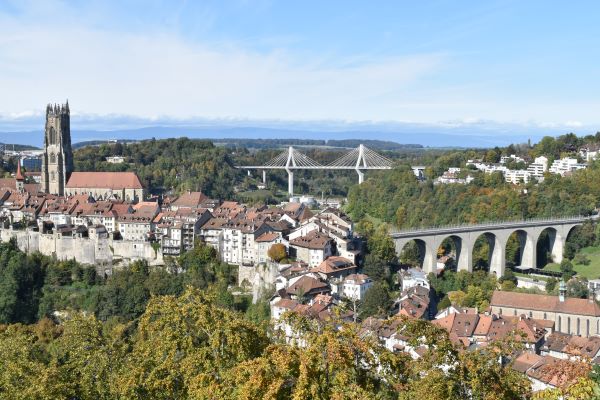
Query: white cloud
point(157, 74)
point(573, 124)
point(50, 52)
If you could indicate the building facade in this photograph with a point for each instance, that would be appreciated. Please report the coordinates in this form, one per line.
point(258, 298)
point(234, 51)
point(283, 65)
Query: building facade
point(570, 315)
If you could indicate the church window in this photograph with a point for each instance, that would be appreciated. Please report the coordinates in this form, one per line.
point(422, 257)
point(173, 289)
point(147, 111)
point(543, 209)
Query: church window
point(52, 176)
point(52, 158)
point(587, 327)
point(559, 324)
point(52, 136)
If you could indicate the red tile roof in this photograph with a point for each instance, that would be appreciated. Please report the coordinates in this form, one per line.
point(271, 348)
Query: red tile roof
point(334, 264)
point(267, 237)
point(540, 302)
point(313, 240)
point(308, 285)
point(190, 199)
point(105, 180)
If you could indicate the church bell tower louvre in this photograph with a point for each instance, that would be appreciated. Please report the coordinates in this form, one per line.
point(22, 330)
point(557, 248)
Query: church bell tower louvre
point(57, 161)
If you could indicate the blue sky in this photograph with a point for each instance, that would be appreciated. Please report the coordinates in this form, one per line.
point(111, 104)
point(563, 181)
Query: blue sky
point(517, 63)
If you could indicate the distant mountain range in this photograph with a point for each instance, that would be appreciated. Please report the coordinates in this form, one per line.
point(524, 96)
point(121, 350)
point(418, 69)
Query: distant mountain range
point(413, 137)
point(272, 143)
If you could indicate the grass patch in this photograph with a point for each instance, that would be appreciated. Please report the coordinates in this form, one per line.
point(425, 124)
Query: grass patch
point(591, 271)
point(552, 267)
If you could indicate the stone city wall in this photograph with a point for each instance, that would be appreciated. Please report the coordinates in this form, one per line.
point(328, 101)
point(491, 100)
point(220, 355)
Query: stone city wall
point(84, 250)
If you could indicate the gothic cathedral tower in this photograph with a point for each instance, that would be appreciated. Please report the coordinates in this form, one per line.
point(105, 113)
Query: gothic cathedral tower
point(57, 162)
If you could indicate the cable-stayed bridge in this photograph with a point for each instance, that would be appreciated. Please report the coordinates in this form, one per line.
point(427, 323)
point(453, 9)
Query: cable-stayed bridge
point(359, 159)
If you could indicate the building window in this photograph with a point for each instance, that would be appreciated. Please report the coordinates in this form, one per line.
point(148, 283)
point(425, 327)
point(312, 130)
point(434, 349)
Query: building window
point(545, 316)
point(559, 324)
point(569, 325)
point(52, 158)
point(52, 136)
point(578, 327)
point(587, 327)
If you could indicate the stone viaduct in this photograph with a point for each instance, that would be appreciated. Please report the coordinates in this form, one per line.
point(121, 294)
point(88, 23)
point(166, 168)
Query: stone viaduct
point(528, 231)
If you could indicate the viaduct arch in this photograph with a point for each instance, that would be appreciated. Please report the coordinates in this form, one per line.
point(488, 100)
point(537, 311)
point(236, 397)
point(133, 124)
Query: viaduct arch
point(497, 234)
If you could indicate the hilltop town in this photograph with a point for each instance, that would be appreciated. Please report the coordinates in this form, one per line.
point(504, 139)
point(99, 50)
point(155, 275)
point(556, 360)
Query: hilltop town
point(304, 259)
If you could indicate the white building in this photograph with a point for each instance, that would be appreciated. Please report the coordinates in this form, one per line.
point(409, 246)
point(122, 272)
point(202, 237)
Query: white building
point(565, 165)
point(115, 159)
point(505, 159)
point(413, 277)
point(589, 153)
point(516, 176)
point(356, 285)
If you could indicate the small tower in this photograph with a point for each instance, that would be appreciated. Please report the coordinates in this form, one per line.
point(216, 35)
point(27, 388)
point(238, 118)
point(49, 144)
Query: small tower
point(19, 178)
point(562, 291)
point(57, 161)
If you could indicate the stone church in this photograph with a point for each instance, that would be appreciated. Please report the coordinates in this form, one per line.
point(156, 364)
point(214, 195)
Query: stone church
point(58, 177)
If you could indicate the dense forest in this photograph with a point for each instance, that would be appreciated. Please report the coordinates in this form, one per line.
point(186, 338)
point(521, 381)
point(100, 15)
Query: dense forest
point(34, 286)
point(189, 347)
point(168, 165)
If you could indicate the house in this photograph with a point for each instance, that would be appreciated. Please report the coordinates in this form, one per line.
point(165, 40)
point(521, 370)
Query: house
point(264, 242)
point(138, 225)
point(413, 277)
point(452, 309)
point(467, 328)
point(414, 302)
point(190, 200)
point(313, 248)
point(569, 347)
point(542, 371)
point(590, 152)
point(335, 268)
point(306, 288)
point(115, 159)
point(355, 286)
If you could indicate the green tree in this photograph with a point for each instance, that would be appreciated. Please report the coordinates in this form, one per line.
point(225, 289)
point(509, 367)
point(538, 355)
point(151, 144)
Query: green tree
point(566, 267)
point(376, 302)
point(551, 284)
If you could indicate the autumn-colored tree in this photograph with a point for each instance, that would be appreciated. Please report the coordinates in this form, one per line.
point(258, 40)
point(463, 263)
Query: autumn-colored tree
point(574, 381)
point(277, 252)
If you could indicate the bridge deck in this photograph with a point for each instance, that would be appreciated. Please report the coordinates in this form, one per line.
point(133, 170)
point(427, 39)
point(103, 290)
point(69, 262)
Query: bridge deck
point(306, 167)
point(446, 230)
